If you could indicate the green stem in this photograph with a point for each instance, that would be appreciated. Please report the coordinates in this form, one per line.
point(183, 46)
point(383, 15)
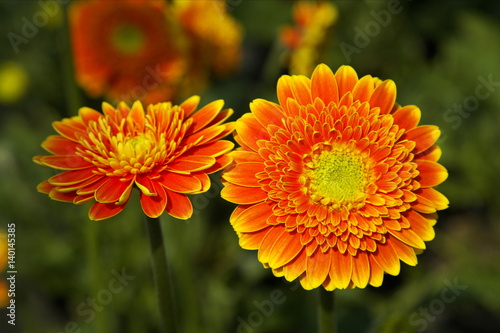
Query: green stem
point(162, 277)
point(327, 322)
point(94, 272)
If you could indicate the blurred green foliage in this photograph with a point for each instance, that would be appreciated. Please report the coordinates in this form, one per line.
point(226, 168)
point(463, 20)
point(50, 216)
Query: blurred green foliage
point(437, 52)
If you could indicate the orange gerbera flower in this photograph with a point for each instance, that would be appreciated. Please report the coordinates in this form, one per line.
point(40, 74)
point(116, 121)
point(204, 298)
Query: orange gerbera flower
point(167, 153)
point(308, 36)
point(125, 49)
point(335, 185)
point(214, 38)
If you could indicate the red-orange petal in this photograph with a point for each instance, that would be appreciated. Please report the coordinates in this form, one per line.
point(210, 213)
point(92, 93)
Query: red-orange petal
point(100, 211)
point(71, 177)
point(111, 190)
point(154, 206)
point(65, 162)
point(268, 242)
point(424, 136)
point(252, 240)
point(346, 79)
point(59, 145)
point(191, 163)
point(360, 269)
point(341, 269)
point(180, 183)
point(267, 113)
point(213, 149)
point(387, 258)
point(205, 115)
point(190, 105)
point(178, 205)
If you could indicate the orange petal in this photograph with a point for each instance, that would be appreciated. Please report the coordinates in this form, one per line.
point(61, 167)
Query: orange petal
point(431, 173)
point(243, 195)
point(376, 273)
point(384, 97)
point(268, 242)
point(101, 211)
point(71, 177)
point(145, 184)
point(112, 190)
point(137, 115)
point(87, 115)
point(253, 218)
point(420, 225)
point(45, 187)
point(190, 105)
point(424, 136)
point(431, 154)
point(387, 258)
point(191, 163)
point(301, 89)
point(59, 145)
point(180, 183)
point(267, 113)
point(284, 92)
point(203, 136)
point(69, 127)
point(409, 237)
point(154, 206)
point(220, 163)
point(212, 149)
point(178, 205)
point(91, 188)
point(323, 85)
point(318, 267)
point(243, 174)
point(242, 156)
point(250, 131)
point(404, 252)
point(252, 240)
point(438, 200)
point(205, 115)
point(62, 196)
point(65, 162)
point(363, 89)
point(360, 270)
point(341, 269)
point(285, 248)
point(296, 266)
point(346, 79)
point(407, 117)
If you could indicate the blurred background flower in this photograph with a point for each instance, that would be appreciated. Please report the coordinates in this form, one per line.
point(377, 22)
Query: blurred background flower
point(439, 52)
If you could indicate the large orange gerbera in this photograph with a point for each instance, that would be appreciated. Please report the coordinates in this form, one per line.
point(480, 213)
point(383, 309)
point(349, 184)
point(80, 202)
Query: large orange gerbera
point(126, 49)
point(335, 185)
point(166, 153)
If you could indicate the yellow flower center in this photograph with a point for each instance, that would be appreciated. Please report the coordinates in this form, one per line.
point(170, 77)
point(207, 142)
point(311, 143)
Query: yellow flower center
point(134, 155)
point(127, 39)
point(336, 177)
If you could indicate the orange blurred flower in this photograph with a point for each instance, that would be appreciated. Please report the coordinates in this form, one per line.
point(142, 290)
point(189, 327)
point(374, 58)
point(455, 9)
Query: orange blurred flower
point(308, 36)
point(214, 38)
point(166, 153)
point(336, 184)
point(126, 50)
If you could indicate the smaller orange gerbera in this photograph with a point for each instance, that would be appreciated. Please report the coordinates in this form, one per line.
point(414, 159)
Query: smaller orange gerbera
point(166, 152)
point(306, 38)
point(125, 50)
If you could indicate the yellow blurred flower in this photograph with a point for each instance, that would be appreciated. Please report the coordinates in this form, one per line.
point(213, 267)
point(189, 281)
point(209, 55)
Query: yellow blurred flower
point(13, 82)
point(308, 35)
